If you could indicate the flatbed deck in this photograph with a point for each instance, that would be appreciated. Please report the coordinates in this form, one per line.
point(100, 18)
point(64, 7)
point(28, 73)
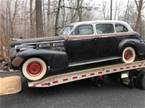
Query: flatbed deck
point(86, 73)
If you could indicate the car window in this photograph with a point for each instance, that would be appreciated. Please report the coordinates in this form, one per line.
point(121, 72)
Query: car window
point(83, 30)
point(66, 30)
point(104, 28)
point(120, 28)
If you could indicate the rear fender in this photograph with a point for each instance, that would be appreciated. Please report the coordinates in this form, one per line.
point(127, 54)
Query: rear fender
point(129, 42)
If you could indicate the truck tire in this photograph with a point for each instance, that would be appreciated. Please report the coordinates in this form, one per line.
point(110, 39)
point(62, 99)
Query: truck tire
point(34, 69)
point(128, 55)
point(140, 80)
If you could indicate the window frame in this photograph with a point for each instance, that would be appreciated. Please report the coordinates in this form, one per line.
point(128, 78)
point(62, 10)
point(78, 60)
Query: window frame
point(82, 34)
point(122, 25)
point(104, 24)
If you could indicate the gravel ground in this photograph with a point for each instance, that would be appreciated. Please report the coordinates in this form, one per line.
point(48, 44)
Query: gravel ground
point(80, 94)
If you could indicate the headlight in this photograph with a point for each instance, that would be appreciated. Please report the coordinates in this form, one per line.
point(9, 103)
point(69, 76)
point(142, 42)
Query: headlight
point(16, 62)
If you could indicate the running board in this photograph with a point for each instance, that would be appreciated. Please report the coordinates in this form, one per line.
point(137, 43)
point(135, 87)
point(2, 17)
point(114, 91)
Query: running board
point(93, 61)
point(86, 73)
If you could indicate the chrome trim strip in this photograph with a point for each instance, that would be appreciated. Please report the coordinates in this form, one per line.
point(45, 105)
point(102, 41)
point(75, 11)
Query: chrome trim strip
point(95, 61)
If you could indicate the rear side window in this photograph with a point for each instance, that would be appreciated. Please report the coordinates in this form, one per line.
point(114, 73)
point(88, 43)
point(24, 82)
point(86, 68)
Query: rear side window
point(104, 28)
point(120, 28)
point(83, 30)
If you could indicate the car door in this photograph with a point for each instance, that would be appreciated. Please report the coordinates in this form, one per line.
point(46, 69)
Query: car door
point(106, 42)
point(79, 45)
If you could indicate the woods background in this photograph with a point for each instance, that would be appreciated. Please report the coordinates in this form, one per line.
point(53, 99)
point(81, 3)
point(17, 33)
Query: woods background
point(39, 18)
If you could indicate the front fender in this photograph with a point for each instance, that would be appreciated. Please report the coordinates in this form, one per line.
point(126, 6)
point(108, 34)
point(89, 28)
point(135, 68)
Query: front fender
point(55, 59)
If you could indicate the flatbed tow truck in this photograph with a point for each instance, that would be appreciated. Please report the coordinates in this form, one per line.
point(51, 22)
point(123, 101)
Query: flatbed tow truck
point(133, 73)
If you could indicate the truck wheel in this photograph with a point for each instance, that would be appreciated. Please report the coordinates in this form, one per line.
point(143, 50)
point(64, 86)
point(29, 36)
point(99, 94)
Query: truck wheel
point(34, 69)
point(128, 55)
point(140, 80)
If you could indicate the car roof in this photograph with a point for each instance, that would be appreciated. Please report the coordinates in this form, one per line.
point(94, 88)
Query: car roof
point(102, 21)
point(98, 21)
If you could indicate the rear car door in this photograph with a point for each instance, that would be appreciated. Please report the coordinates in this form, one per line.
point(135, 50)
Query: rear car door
point(80, 46)
point(106, 42)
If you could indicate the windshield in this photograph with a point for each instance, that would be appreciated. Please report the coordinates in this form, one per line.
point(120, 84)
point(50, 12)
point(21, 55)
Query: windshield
point(66, 30)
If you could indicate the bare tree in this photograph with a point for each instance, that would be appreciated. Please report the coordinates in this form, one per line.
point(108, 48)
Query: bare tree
point(139, 5)
point(39, 21)
point(12, 17)
point(126, 16)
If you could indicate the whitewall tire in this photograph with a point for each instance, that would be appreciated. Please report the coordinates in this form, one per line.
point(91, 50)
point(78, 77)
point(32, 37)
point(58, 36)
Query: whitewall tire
point(128, 55)
point(34, 69)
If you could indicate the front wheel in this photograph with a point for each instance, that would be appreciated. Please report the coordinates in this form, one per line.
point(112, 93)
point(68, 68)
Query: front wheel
point(34, 69)
point(128, 55)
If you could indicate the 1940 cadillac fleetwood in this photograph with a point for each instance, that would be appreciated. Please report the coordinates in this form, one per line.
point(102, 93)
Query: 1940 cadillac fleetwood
point(79, 43)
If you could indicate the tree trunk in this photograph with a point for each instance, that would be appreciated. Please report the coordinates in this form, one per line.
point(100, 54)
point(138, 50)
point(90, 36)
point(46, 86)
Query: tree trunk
point(39, 22)
point(111, 9)
point(48, 16)
point(139, 5)
point(31, 18)
point(57, 17)
point(79, 9)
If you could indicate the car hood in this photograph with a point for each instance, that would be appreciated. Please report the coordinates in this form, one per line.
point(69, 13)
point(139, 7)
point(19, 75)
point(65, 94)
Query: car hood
point(55, 43)
point(37, 40)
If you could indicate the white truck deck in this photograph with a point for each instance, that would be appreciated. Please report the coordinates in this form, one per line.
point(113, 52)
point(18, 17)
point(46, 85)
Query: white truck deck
point(86, 73)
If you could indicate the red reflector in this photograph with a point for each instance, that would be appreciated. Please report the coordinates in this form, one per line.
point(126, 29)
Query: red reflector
point(75, 77)
point(121, 68)
point(45, 84)
point(100, 72)
point(54, 82)
point(92, 74)
point(84, 75)
point(107, 70)
point(127, 67)
point(65, 79)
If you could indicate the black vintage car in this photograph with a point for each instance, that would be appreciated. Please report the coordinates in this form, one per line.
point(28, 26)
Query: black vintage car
point(79, 43)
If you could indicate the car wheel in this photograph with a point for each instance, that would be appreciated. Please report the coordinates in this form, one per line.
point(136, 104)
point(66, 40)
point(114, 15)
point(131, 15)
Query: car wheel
point(34, 69)
point(140, 80)
point(128, 55)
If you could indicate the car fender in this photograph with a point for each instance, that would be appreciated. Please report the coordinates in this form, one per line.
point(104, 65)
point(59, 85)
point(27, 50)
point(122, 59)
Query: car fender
point(129, 42)
point(56, 60)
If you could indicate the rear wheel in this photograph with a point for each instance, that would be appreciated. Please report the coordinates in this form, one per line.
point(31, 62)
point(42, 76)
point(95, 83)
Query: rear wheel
point(128, 55)
point(34, 69)
point(140, 80)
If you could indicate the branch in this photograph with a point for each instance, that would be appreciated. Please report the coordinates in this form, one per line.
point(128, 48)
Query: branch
point(82, 7)
point(136, 4)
